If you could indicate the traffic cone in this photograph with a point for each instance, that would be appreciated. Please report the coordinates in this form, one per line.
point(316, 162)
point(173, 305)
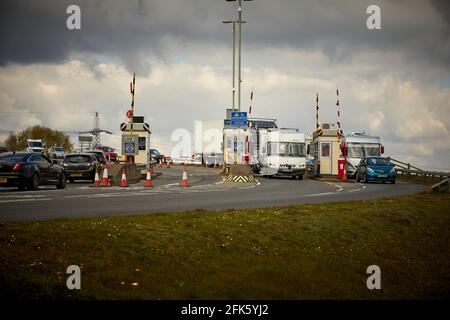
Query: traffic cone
point(344, 176)
point(184, 180)
point(123, 182)
point(148, 180)
point(105, 179)
point(96, 178)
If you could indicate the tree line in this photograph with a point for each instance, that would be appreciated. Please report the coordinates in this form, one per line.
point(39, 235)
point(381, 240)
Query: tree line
point(18, 141)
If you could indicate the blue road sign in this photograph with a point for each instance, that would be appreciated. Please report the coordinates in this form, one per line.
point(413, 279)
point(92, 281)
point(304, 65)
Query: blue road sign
point(239, 119)
point(239, 114)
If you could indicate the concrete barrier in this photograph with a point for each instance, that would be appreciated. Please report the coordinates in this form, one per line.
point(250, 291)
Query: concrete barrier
point(240, 173)
point(131, 171)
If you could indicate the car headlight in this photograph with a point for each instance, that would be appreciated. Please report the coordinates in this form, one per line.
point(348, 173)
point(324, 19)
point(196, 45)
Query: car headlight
point(392, 170)
point(370, 170)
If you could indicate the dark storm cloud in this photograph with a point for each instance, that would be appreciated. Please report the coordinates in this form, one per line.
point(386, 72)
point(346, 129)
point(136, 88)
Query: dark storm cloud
point(34, 31)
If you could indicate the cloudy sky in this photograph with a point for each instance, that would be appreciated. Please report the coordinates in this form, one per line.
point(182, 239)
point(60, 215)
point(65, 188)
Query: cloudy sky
point(394, 82)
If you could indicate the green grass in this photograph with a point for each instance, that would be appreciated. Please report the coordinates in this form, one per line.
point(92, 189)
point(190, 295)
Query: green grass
point(298, 252)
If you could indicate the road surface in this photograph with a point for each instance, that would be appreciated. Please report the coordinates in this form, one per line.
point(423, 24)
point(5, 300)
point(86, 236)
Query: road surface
point(207, 191)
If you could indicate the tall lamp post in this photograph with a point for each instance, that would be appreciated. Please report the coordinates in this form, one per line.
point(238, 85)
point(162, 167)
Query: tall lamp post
point(239, 22)
point(234, 60)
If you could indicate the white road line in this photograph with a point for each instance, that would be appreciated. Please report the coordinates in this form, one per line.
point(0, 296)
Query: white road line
point(319, 194)
point(24, 200)
point(339, 188)
point(170, 184)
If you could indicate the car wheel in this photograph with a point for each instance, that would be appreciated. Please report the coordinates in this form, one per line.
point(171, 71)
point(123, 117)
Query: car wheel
point(71, 180)
point(365, 178)
point(34, 183)
point(300, 177)
point(393, 181)
point(62, 181)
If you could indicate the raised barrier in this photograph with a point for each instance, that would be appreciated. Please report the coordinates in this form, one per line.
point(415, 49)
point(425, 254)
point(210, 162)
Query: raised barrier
point(442, 186)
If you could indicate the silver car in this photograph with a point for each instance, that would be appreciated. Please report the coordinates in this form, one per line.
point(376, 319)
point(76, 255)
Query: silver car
point(56, 152)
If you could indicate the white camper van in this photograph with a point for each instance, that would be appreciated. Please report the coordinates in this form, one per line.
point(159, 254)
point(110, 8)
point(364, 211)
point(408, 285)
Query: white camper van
point(35, 145)
point(277, 151)
point(357, 145)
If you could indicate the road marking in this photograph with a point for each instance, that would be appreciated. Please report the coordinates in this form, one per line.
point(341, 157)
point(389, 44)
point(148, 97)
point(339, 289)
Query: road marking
point(339, 188)
point(320, 194)
point(24, 200)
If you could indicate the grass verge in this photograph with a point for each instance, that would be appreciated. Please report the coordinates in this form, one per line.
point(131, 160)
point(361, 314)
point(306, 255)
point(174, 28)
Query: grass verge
point(297, 252)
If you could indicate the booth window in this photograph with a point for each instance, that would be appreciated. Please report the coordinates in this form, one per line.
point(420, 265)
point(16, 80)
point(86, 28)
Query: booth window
point(142, 144)
point(325, 150)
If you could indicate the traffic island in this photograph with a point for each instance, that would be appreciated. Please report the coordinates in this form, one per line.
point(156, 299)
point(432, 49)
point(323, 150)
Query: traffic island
point(132, 173)
point(240, 173)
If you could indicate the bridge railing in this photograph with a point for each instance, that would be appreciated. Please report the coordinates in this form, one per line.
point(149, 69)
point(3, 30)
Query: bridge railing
point(407, 169)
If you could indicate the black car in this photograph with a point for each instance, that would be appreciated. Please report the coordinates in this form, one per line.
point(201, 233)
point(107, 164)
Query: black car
point(156, 155)
point(29, 170)
point(80, 166)
point(99, 154)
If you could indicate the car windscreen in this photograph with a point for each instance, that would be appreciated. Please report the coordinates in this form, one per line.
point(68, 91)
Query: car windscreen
point(12, 157)
point(35, 144)
point(287, 149)
point(79, 158)
point(378, 161)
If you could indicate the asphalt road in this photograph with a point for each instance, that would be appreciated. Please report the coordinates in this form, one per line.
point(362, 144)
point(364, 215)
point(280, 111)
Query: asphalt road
point(207, 191)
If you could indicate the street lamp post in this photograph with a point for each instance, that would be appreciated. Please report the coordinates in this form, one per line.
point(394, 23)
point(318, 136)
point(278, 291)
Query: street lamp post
point(239, 21)
point(239, 54)
point(234, 60)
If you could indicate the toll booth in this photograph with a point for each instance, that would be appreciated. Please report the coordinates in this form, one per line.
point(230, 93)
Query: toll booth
point(235, 137)
point(234, 145)
point(325, 149)
point(136, 140)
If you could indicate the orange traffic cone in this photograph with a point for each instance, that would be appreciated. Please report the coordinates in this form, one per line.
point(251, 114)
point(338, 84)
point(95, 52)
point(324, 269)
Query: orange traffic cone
point(96, 178)
point(184, 180)
point(105, 179)
point(148, 181)
point(123, 182)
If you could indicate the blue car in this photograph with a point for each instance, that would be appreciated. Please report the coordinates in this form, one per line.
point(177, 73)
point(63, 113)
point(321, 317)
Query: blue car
point(375, 169)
